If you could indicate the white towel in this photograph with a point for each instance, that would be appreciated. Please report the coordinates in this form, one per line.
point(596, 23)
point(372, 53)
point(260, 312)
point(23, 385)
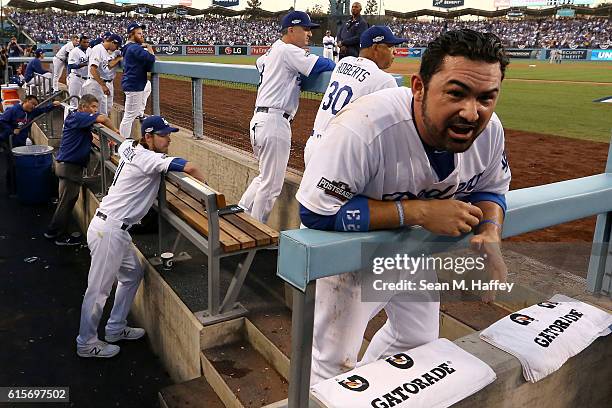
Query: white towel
point(437, 374)
point(545, 335)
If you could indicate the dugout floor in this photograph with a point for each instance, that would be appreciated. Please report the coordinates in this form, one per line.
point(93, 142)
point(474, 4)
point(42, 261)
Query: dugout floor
point(39, 318)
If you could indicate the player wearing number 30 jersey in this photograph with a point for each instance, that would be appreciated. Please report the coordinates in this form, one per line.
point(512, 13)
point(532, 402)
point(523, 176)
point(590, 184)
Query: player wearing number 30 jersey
point(355, 77)
point(278, 96)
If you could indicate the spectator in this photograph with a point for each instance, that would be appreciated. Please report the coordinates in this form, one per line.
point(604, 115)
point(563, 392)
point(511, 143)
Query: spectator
point(350, 32)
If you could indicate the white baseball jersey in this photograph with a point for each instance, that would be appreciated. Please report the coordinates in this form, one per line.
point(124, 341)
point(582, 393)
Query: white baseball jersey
point(352, 78)
point(78, 56)
point(329, 42)
point(136, 182)
point(280, 70)
point(63, 52)
point(100, 57)
point(378, 153)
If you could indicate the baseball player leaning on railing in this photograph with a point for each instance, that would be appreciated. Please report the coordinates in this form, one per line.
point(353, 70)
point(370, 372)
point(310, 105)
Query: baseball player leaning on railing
point(277, 102)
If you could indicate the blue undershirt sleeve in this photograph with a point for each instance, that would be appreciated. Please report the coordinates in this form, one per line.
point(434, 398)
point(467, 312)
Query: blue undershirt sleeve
point(177, 164)
point(352, 216)
point(322, 65)
point(499, 199)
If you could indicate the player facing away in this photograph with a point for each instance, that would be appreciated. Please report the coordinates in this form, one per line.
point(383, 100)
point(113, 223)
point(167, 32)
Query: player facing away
point(354, 77)
point(113, 257)
point(432, 156)
point(277, 102)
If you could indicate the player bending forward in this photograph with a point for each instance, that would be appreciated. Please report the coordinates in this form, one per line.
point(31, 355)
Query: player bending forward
point(113, 257)
point(355, 77)
point(431, 156)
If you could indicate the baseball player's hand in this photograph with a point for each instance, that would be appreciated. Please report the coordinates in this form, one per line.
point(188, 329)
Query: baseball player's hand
point(16, 131)
point(487, 244)
point(447, 217)
point(105, 90)
point(56, 103)
point(150, 49)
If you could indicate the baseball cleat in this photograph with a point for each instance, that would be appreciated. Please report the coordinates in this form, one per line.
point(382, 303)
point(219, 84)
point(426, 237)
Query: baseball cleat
point(129, 333)
point(100, 349)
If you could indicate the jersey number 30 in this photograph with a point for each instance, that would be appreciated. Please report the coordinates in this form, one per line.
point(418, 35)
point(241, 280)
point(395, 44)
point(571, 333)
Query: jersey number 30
point(335, 95)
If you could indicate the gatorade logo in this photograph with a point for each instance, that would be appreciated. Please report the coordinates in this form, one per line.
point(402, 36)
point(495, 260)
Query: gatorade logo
point(355, 383)
point(401, 360)
point(548, 305)
point(521, 319)
point(228, 50)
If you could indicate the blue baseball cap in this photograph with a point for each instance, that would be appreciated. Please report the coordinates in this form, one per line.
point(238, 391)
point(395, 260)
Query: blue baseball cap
point(156, 124)
point(379, 35)
point(133, 26)
point(106, 35)
point(95, 42)
point(39, 52)
point(297, 18)
point(116, 38)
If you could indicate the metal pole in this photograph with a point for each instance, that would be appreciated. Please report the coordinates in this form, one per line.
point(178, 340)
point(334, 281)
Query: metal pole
point(198, 111)
point(161, 205)
point(104, 154)
point(155, 93)
point(302, 322)
point(214, 250)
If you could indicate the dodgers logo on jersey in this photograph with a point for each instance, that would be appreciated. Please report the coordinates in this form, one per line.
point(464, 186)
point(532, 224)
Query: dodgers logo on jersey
point(336, 189)
point(463, 187)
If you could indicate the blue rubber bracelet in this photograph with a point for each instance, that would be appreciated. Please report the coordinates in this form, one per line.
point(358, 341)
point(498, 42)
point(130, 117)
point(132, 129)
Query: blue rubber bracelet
point(498, 225)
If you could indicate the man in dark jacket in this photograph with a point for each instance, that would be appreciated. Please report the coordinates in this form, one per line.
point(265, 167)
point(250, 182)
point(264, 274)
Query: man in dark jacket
point(349, 33)
point(15, 121)
point(35, 67)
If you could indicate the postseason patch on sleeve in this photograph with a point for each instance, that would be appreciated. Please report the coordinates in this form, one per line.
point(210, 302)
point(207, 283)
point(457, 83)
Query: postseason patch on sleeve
point(336, 189)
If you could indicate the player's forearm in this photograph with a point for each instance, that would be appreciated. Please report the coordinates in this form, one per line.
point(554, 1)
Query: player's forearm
point(194, 172)
point(113, 63)
point(106, 122)
point(492, 219)
point(386, 215)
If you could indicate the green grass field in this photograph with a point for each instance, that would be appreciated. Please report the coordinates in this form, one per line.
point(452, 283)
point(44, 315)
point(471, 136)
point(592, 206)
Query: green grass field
point(531, 100)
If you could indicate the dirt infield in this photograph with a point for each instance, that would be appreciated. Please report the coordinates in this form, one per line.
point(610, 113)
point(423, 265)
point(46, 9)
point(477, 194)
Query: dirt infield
point(535, 159)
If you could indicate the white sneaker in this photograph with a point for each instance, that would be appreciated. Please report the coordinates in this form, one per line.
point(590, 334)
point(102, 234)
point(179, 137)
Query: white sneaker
point(100, 349)
point(129, 333)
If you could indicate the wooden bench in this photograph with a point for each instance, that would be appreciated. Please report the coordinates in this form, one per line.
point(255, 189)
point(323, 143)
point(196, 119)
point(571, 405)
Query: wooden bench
point(193, 209)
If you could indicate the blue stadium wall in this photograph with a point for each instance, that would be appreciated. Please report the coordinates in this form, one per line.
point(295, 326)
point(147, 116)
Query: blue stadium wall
point(578, 54)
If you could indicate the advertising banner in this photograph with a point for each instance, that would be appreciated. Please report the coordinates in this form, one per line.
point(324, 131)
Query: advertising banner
point(448, 3)
point(225, 3)
point(168, 49)
point(200, 49)
point(601, 55)
point(232, 50)
point(259, 49)
point(569, 54)
point(525, 53)
point(409, 52)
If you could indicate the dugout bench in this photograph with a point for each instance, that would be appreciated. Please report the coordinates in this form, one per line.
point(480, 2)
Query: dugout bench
point(306, 255)
point(200, 214)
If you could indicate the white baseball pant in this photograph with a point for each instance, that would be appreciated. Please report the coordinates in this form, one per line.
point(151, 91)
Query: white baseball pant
point(105, 102)
point(341, 318)
point(46, 75)
point(328, 53)
point(271, 140)
point(135, 104)
point(58, 68)
point(112, 258)
point(75, 88)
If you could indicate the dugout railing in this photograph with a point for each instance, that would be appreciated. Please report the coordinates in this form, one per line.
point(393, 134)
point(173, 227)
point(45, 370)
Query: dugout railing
point(306, 255)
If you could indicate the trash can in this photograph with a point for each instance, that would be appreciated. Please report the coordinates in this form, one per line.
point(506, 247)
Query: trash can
point(33, 171)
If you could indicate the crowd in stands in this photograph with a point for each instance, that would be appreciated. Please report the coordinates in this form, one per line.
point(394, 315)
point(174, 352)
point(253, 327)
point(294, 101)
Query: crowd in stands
point(553, 33)
point(58, 27)
point(550, 33)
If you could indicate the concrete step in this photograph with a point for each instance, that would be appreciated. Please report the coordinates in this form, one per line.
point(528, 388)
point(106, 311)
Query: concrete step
point(196, 393)
point(242, 377)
